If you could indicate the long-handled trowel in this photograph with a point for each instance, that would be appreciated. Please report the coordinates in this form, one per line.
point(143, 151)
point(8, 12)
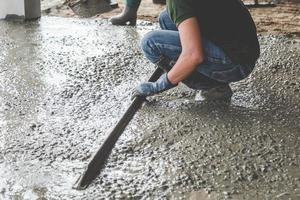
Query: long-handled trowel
point(90, 8)
point(99, 159)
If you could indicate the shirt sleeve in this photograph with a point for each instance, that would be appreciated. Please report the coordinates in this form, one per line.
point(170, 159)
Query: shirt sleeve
point(180, 10)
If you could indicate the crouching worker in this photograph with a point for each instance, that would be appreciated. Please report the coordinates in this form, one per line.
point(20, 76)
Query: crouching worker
point(205, 44)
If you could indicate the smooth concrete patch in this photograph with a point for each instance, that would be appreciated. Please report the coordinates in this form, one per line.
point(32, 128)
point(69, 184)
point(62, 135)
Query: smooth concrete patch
point(65, 82)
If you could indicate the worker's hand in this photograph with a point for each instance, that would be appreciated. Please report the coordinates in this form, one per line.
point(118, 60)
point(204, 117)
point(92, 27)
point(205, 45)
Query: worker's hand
point(149, 88)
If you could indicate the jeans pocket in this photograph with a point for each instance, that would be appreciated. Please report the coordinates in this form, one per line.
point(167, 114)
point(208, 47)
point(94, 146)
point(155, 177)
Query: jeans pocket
point(233, 75)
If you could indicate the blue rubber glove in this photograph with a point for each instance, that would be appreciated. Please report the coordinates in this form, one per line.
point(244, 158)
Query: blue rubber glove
point(149, 88)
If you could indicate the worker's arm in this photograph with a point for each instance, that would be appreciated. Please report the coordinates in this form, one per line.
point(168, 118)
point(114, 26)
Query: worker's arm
point(192, 53)
point(190, 57)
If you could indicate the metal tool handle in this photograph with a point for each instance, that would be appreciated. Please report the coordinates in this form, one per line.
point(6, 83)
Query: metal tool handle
point(99, 159)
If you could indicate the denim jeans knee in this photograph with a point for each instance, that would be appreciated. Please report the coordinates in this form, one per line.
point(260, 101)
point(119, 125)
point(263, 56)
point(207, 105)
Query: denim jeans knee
point(149, 48)
point(161, 43)
point(165, 21)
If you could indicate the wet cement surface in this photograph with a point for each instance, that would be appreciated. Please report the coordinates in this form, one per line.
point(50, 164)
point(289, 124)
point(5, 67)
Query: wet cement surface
point(64, 83)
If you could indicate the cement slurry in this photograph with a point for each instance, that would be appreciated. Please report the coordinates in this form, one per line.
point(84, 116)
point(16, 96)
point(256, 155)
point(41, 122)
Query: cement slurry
point(65, 82)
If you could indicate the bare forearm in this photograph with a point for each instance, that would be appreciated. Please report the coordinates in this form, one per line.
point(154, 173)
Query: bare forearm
point(184, 66)
point(192, 52)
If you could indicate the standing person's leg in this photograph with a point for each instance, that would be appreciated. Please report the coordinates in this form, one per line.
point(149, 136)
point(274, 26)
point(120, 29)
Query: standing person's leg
point(129, 14)
point(133, 3)
point(159, 2)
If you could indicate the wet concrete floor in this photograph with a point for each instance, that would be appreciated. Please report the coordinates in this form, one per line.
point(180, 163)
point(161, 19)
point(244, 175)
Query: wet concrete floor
point(65, 82)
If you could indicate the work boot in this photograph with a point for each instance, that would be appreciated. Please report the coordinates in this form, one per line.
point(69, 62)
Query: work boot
point(159, 2)
point(222, 92)
point(127, 17)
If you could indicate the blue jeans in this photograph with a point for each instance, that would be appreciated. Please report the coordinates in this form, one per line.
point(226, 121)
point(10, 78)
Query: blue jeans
point(217, 65)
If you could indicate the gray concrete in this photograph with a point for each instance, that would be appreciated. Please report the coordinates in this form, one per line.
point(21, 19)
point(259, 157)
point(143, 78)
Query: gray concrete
point(65, 82)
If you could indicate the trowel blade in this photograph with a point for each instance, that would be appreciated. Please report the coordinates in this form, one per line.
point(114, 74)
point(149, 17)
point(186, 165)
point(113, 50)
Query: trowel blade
point(89, 8)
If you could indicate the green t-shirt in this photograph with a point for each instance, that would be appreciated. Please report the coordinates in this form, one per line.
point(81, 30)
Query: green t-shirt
point(180, 10)
point(227, 23)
